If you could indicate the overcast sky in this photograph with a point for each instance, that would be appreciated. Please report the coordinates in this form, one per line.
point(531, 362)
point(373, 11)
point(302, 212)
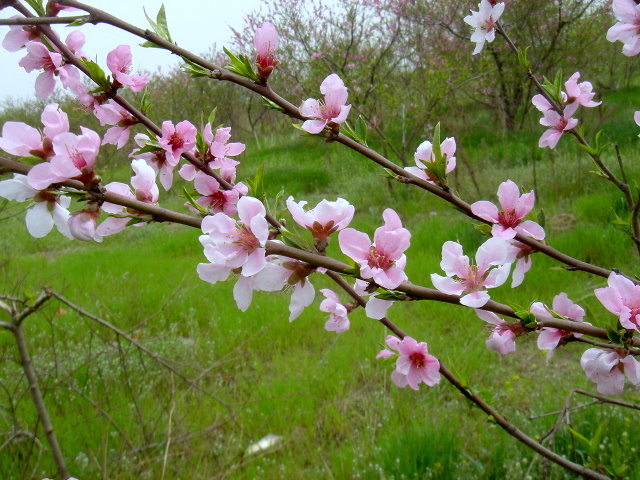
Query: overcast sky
point(194, 25)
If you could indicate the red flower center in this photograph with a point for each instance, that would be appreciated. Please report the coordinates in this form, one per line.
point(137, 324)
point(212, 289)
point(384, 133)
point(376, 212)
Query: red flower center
point(418, 360)
point(246, 239)
point(508, 218)
point(379, 259)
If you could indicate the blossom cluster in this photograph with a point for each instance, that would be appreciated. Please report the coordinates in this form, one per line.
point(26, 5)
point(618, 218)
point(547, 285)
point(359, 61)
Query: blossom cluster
point(236, 227)
point(561, 121)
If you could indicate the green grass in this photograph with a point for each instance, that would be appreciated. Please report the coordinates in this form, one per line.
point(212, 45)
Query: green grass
point(333, 404)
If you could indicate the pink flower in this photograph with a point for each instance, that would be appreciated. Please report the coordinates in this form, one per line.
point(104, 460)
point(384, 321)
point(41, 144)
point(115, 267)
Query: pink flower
point(219, 145)
point(550, 338)
point(332, 111)
point(542, 104)
point(178, 139)
point(83, 225)
point(607, 368)
point(484, 22)
point(626, 30)
point(75, 41)
point(325, 219)
point(214, 198)
point(19, 35)
point(234, 244)
point(509, 221)
point(283, 273)
point(414, 364)
point(424, 153)
point(522, 254)
point(217, 153)
point(111, 113)
point(266, 42)
point(503, 335)
point(162, 163)
point(558, 125)
point(74, 157)
point(40, 58)
point(472, 281)
point(580, 92)
point(22, 140)
point(338, 313)
point(119, 62)
point(49, 209)
point(384, 259)
point(622, 298)
point(145, 190)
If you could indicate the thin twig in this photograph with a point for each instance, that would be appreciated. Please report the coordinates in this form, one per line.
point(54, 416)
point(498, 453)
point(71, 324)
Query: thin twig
point(604, 399)
point(38, 400)
point(578, 407)
point(44, 20)
point(157, 358)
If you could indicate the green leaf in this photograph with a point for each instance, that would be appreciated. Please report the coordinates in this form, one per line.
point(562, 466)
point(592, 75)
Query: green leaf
point(527, 318)
point(241, 65)
point(272, 105)
point(192, 202)
point(201, 145)
point(193, 69)
point(148, 148)
point(159, 26)
point(437, 152)
point(149, 44)
point(291, 241)
point(622, 224)
point(392, 295)
point(162, 24)
point(514, 306)
point(276, 202)
point(522, 58)
point(483, 228)
point(541, 218)
point(146, 101)
point(96, 73)
point(37, 6)
point(557, 83)
point(78, 22)
point(256, 186)
point(212, 116)
point(580, 437)
point(361, 130)
point(590, 150)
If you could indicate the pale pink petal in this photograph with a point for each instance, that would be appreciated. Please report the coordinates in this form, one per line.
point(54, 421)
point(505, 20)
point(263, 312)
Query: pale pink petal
point(39, 220)
point(497, 276)
point(243, 292)
point(508, 195)
point(475, 299)
point(302, 296)
point(453, 262)
point(531, 229)
point(485, 210)
point(447, 284)
point(354, 244)
point(376, 308)
point(549, 338)
point(314, 126)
